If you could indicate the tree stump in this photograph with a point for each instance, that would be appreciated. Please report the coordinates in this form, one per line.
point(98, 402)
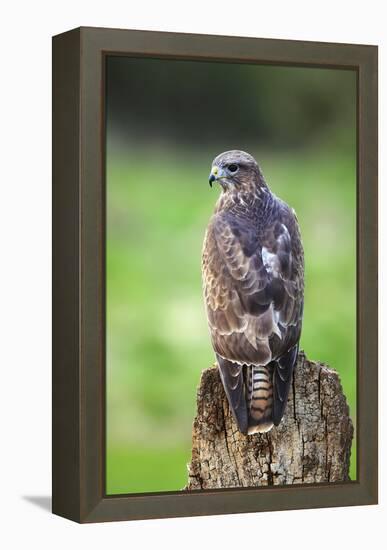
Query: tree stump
point(312, 444)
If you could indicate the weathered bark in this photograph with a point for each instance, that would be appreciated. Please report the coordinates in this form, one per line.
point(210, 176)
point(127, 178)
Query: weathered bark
point(312, 443)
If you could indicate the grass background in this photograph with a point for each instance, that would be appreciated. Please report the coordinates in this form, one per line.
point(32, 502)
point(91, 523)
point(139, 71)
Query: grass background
point(158, 205)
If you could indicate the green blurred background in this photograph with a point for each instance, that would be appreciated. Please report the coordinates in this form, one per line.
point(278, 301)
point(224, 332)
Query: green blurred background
point(166, 121)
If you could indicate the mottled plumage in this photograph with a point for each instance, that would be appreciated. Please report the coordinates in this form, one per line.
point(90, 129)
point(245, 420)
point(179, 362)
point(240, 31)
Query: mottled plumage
point(253, 281)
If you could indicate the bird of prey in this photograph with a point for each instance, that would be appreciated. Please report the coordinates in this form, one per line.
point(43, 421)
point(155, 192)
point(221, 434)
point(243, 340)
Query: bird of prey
point(253, 283)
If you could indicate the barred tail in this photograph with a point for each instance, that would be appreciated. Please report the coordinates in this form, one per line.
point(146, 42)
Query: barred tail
point(259, 398)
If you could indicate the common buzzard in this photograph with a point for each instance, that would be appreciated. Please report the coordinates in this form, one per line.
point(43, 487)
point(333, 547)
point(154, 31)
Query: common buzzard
point(253, 279)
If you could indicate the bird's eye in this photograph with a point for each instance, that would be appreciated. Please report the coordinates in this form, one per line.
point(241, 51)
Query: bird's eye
point(232, 168)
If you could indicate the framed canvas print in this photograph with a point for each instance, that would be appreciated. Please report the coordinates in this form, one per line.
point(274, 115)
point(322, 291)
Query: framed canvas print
point(215, 274)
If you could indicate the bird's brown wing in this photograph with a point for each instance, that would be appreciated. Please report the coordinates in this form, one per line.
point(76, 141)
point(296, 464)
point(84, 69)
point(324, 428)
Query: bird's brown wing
point(235, 293)
point(285, 243)
point(253, 293)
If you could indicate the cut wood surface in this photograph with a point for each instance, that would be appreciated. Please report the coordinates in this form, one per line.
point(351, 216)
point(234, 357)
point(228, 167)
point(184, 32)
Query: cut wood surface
point(312, 444)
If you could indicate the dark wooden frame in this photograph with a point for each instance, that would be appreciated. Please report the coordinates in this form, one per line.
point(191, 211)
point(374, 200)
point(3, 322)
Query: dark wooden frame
point(79, 274)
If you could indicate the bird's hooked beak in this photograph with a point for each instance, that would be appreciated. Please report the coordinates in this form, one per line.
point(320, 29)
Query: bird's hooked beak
point(215, 175)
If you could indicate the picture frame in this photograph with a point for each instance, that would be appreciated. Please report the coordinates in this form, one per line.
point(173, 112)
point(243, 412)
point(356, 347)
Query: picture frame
point(79, 220)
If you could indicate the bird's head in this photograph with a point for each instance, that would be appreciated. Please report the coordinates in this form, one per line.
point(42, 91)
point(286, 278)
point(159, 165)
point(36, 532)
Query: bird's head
point(236, 171)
